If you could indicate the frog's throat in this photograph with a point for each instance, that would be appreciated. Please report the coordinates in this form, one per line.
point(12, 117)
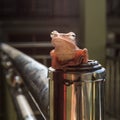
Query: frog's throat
point(65, 40)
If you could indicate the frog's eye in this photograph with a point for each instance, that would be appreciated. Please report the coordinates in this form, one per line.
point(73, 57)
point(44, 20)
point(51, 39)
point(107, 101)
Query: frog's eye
point(54, 34)
point(72, 35)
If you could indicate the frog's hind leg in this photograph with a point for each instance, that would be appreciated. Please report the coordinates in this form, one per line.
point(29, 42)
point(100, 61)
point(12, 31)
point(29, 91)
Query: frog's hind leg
point(81, 56)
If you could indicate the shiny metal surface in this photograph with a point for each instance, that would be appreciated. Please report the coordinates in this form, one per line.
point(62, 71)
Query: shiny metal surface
point(25, 108)
point(77, 93)
point(33, 74)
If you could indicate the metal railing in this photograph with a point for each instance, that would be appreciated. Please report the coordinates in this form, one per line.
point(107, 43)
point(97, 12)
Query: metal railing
point(113, 80)
point(27, 81)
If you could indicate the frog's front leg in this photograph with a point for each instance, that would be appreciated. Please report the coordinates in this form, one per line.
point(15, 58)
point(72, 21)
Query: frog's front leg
point(54, 59)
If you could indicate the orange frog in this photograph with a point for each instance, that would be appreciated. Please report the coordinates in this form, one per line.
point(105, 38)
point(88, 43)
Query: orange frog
point(66, 52)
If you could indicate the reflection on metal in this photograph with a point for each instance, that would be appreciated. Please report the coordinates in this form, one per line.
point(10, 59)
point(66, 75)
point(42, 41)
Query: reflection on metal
point(25, 108)
point(77, 93)
point(33, 74)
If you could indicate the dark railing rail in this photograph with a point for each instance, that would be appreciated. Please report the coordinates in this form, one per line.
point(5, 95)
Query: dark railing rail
point(33, 74)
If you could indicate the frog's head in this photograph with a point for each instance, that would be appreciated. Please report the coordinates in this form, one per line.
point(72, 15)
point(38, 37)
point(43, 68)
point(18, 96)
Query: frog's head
point(63, 39)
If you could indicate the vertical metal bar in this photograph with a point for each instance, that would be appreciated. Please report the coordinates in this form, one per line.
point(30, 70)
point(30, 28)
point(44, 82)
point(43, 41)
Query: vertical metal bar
point(117, 101)
point(108, 72)
point(25, 108)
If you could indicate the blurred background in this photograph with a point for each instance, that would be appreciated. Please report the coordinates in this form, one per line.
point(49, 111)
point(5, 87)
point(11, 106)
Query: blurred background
point(27, 24)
